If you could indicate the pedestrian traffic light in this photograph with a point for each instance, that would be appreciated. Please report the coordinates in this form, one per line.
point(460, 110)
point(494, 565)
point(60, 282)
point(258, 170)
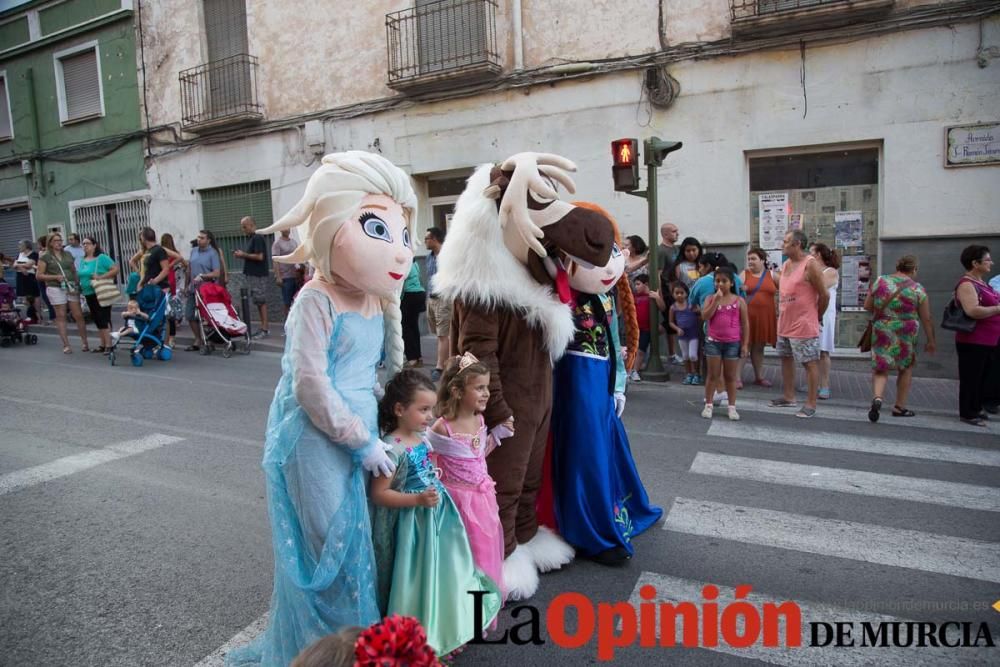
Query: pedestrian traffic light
point(625, 164)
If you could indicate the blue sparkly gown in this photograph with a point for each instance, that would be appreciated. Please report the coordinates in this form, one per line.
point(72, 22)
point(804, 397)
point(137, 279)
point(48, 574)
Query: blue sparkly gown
point(600, 501)
point(425, 564)
point(324, 568)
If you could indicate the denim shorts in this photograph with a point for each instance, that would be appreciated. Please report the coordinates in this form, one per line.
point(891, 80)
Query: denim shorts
point(715, 348)
point(644, 341)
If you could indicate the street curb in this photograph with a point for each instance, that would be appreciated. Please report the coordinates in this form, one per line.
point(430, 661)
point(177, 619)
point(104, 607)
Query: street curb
point(273, 344)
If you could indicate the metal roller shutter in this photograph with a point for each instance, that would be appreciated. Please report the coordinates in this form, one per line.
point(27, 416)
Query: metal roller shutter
point(15, 224)
point(82, 84)
point(223, 208)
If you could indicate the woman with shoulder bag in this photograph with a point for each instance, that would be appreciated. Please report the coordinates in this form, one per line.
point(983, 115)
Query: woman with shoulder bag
point(57, 270)
point(899, 305)
point(761, 285)
point(97, 273)
point(976, 358)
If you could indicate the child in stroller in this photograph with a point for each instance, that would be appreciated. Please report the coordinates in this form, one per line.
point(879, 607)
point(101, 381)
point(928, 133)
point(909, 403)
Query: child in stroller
point(144, 326)
point(13, 327)
point(219, 322)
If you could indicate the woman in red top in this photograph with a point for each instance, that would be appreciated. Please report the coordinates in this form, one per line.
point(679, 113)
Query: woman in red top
point(976, 358)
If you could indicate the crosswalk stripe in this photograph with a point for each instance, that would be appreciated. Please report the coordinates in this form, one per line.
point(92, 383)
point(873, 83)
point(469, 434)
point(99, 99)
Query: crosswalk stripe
point(754, 434)
point(68, 465)
point(860, 414)
point(217, 658)
point(843, 480)
point(943, 554)
point(673, 590)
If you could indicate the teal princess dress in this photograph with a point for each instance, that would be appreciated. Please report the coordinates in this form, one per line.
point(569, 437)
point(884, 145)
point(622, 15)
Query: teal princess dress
point(324, 564)
point(425, 564)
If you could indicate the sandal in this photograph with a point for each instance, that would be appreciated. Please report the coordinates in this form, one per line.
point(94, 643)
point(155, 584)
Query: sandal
point(85, 348)
point(874, 410)
point(902, 412)
point(806, 413)
point(98, 350)
point(974, 421)
point(191, 348)
point(782, 403)
point(67, 349)
point(763, 383)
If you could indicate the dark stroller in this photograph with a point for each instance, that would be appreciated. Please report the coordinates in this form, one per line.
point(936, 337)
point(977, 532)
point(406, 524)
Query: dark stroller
point(146, 337)
point(13, 327)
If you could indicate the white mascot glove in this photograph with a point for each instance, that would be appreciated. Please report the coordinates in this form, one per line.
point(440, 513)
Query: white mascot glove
point(376, 461)
point(378, 390)
point(619, 403)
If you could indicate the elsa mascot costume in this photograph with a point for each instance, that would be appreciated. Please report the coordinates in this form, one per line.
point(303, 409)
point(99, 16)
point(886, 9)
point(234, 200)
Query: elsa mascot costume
point(322, 433)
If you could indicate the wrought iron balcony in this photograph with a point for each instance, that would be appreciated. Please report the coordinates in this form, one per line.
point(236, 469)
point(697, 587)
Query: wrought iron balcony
point(760, 18)
point(442, 44)
point(220, 93)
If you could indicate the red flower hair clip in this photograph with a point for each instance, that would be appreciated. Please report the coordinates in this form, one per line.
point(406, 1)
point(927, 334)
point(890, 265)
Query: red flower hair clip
point(398, 641)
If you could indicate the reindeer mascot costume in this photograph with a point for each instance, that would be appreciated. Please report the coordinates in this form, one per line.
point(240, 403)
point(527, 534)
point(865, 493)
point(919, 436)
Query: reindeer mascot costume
point(507, 222)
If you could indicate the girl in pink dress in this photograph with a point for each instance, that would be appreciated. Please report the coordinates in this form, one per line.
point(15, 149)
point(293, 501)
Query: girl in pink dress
point(461, 443)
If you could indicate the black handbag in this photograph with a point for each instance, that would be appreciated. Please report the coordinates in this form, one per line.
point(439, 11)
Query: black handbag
point(955, 318)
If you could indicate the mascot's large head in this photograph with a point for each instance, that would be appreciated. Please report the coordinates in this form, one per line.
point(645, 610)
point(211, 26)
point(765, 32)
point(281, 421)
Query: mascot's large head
point(354, 221)
point(507, 223)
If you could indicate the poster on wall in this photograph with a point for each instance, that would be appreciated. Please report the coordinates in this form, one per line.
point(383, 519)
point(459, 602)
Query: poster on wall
point(773, 219)
point(795, 221)
point(855, 276)
point(774, 259)
point(847, 229)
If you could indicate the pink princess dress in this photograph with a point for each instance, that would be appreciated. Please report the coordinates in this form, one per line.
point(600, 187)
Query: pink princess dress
point(462, 460)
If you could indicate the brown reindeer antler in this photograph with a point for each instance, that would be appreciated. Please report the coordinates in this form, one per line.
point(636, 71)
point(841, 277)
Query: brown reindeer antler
point(528, 172)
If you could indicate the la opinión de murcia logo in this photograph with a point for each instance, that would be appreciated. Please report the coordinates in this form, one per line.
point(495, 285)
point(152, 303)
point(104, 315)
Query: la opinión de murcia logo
point(737, 624)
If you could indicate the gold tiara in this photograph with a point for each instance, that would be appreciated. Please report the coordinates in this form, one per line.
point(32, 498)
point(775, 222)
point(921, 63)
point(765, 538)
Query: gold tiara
point(467, 360)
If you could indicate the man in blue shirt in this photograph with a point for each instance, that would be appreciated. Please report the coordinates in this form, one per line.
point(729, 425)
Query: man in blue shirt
point(204, 266)
point(438, 310)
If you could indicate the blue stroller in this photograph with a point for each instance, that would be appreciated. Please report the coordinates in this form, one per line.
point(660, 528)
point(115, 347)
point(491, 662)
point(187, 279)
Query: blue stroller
point(146, 336)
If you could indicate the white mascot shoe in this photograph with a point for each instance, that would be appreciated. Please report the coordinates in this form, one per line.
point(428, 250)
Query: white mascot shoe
point(520, 578)
point(548, 551)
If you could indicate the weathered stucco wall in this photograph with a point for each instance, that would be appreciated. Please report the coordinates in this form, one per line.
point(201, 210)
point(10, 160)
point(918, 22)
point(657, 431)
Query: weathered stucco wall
point(899, 91)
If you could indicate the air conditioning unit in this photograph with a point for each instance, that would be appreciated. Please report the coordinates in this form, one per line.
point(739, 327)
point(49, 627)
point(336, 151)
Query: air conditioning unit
point(55, 229)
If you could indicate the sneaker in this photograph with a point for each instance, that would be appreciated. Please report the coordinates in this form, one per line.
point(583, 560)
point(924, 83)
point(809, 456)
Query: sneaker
point(262, 333)
point(634, 376)
point(676, 360)
point(707, 411)
point(733, 415)
point(697, 379)
point(688, 379)
point(824, 393)
point(436, 374)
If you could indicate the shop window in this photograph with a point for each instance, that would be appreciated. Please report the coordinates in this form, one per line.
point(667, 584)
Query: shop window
point(833, 197)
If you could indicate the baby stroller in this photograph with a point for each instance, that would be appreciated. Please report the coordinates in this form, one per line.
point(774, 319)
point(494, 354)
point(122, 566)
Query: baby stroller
point(146, 337)
point(219, 322)
point(13, 327)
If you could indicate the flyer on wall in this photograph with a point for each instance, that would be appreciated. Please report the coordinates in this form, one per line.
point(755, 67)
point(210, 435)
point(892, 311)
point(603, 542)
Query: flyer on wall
point(773, 219)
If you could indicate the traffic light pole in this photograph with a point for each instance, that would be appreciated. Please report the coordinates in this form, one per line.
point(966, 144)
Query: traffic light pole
point(654, 366)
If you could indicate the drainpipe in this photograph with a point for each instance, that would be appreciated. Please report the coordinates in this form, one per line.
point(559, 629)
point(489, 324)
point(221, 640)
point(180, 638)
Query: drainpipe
point(518, 37)
point(37, 166)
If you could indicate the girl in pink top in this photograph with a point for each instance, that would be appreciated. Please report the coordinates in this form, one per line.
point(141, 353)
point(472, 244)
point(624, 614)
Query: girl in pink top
point(727, 340)
point(461, 443)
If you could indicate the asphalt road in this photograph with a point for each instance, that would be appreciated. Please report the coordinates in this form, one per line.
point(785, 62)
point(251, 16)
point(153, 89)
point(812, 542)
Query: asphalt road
point(133, 528)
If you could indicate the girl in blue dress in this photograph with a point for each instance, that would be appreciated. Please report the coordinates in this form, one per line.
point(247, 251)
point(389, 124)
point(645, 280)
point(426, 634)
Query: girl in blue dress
point(322, 433)
point(425, 564)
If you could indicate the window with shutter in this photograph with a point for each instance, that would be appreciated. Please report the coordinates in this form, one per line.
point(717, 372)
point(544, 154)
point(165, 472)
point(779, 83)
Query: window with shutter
point(78, 74)
point(223, 208)
point(6, 125)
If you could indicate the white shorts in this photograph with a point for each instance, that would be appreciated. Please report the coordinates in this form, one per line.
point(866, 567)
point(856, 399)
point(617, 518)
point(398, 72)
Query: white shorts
point(57, 296)
point(689, 348)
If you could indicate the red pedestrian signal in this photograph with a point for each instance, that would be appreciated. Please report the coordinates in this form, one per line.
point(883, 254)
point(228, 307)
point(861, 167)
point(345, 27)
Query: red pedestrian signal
point(625, 165)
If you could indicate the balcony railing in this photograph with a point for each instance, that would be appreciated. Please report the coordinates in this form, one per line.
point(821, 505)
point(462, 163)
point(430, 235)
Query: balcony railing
point(220, 93)
point(442, 44)
point(760, 18)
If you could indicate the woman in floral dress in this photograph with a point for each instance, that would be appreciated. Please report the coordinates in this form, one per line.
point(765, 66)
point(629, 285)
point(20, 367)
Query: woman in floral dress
point(898, 304)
